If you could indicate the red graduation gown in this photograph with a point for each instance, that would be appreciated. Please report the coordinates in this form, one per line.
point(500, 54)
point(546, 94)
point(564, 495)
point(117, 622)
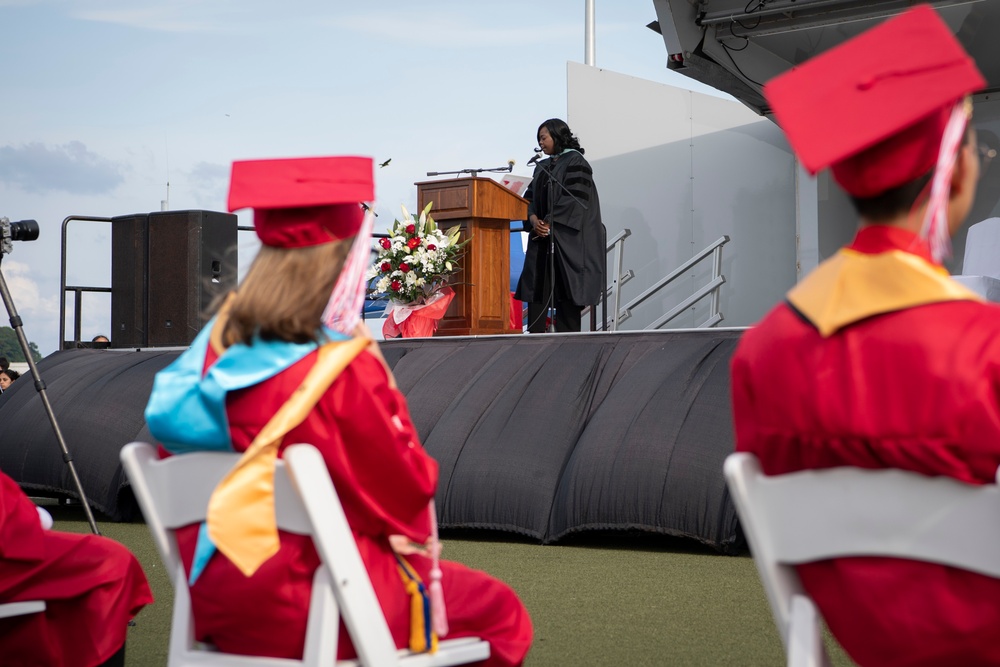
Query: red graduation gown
point(91, 586)
point(916, 388)
point(385, 480)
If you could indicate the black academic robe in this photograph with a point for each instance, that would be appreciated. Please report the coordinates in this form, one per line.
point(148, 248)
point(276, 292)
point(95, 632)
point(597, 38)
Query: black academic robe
point(580, 237)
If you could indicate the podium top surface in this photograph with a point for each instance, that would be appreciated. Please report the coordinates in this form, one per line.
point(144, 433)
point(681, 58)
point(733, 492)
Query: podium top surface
point(471, 197)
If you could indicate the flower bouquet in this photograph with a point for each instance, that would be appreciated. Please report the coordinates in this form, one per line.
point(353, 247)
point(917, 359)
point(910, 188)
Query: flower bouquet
point(412, 268)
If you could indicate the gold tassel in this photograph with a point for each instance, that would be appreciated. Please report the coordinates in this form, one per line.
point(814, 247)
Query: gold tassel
point(422, 637)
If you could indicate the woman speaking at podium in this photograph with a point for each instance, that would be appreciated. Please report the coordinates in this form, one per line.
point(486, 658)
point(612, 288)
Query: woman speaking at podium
point(565, 260)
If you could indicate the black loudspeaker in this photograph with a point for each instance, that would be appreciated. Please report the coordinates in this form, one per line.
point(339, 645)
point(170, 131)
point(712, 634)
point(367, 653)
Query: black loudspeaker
point(166, 270)
point(129, 247)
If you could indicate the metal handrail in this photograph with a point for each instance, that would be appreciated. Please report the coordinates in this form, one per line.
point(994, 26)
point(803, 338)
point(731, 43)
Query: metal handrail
point(712, 289)
point(76, 290)
point(617, 243)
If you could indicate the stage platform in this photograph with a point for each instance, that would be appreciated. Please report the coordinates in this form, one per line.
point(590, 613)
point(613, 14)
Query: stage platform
point(543, 436)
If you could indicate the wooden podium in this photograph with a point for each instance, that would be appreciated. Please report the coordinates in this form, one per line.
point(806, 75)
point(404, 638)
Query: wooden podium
point(484, 209)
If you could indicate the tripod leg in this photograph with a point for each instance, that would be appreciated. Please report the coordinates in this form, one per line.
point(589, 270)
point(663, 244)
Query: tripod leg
point(16, 324)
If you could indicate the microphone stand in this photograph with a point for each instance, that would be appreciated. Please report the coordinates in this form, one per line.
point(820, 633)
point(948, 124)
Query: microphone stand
point(547, 166)
point(475, 172)
point(16, 324)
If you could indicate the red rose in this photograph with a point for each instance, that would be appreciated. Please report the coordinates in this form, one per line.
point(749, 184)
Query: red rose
point(386, 267)
point(431, 246)
point(412, 243)
point(395, 285)
point(411, 228)
point(385, 243)
point(404, 267)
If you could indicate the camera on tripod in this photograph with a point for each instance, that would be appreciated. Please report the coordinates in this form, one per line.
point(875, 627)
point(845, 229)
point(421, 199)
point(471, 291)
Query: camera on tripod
point(22, 230)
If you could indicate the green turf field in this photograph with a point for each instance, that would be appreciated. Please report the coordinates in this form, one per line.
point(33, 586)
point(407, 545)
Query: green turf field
point(609, 599)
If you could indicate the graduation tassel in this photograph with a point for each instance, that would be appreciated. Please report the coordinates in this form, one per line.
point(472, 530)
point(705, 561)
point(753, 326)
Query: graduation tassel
point(439, 615)
point(935, 227)
point(343, 310)
point(422, 637)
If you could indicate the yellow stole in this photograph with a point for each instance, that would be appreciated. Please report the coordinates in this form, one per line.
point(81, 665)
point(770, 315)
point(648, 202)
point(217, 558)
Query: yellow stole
point(851, 286)
point(241, 520)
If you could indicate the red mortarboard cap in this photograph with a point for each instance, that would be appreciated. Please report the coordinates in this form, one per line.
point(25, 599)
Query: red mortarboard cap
point(303, 202)
point(874, 108)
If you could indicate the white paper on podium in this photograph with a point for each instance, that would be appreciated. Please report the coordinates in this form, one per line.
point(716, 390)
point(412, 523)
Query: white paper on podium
point(516, 184)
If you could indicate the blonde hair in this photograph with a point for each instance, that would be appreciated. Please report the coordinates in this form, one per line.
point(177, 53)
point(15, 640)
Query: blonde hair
point(284, 293)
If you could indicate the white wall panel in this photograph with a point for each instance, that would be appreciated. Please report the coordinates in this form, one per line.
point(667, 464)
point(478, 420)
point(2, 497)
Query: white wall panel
point(680, 169)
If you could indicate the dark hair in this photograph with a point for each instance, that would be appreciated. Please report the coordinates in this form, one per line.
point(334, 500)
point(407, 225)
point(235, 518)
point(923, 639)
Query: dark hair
point(4, 364)
point(11, 373)
point(893, 202)
point(561, 135)
point(901, 199)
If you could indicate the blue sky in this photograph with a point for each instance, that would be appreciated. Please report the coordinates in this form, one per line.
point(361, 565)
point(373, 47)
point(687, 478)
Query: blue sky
point(105, 102)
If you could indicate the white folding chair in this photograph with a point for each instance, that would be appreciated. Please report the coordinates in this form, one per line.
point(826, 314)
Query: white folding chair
point(9, 609)
point(816, 515)
point(174, 492)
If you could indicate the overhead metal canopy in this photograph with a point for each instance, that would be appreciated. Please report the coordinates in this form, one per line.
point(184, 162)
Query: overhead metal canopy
point(738, 45)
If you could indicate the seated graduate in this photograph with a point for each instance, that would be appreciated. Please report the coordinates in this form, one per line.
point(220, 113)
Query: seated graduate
point(91, 587)
point(267, 340)
point(878, 359)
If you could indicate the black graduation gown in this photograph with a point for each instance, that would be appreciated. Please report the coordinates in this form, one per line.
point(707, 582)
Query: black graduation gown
point(580, 253)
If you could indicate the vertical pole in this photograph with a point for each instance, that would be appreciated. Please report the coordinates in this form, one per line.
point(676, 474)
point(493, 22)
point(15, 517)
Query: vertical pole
point(589, 52)
point(619, 252)
point(77, 317)
point(716, 272)
point(62, 288)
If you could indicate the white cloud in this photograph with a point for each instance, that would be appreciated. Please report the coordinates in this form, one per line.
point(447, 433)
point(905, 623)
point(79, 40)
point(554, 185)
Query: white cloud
point(70, 167)
point(24, 291)
point(40, 314)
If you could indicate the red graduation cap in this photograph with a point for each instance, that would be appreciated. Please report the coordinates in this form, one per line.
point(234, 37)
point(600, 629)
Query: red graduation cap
point(875, 107)
point(303, 202)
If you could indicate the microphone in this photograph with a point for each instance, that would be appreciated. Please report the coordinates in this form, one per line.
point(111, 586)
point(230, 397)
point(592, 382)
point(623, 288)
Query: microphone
point(510, 166)
point(538, 156)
